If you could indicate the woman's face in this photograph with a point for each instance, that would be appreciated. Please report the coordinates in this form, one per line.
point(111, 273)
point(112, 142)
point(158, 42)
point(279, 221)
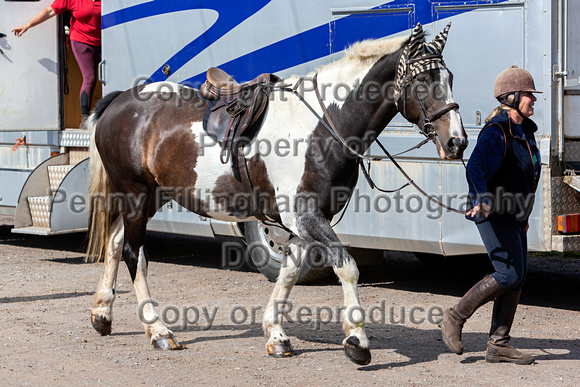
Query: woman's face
point(527, 104)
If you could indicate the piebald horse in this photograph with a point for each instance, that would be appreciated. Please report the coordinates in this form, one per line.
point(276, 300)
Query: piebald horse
point(149, 138)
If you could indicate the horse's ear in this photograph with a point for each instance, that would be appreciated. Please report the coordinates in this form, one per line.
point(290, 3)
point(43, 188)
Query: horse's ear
point(438, 43)
point(417, 41)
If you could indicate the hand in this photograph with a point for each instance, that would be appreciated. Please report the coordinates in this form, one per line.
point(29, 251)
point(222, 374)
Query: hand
point(473, 212)
point(43, 16)
point(18, 31)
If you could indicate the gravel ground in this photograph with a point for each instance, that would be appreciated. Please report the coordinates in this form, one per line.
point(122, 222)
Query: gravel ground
point(46, 294)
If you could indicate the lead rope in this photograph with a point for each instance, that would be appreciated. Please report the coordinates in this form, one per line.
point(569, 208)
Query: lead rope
point(334, 132)
point(410, 181)
point(416, 186)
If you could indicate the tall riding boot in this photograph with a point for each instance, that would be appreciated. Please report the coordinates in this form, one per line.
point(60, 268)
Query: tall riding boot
point(498, 349)
point(453, 318)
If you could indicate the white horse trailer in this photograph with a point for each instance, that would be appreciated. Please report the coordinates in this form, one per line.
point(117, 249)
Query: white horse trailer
point(178, 41)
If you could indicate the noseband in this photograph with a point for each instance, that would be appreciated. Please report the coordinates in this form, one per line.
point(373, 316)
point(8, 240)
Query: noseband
point(407, 70)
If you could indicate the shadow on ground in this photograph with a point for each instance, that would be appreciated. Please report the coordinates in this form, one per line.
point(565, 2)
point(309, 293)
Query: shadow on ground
point(552, 280)
point(408, 345)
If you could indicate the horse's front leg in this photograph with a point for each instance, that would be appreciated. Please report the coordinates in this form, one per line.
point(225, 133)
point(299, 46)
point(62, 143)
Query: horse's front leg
point(278, 344)
point(102, 311)
point(313, 227)
point(356, 343)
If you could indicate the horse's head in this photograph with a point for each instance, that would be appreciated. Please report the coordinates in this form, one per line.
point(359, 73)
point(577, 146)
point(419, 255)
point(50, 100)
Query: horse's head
point(423, 93)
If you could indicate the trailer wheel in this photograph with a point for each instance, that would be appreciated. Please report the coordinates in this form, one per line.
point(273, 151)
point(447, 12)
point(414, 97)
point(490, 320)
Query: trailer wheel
point(266, 246)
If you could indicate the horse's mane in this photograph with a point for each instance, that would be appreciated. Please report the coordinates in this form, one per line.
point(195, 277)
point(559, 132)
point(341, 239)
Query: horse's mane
point(374, 49)
point(369, 51)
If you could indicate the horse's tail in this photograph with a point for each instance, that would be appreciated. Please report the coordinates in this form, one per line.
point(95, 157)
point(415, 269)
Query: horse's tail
point(103, 210)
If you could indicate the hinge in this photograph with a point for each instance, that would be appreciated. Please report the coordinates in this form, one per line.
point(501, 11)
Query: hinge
point(557, 73)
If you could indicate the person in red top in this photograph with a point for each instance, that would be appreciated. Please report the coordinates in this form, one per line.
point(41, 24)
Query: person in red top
point(85, 37)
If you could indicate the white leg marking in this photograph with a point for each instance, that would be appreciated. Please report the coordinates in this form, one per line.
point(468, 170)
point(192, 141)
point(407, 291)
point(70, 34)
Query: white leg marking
point(105, 294)
point(353, 315)
point(150, 319)
point(289, 271)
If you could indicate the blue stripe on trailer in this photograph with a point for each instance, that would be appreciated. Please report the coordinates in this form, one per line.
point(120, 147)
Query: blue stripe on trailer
point(295, 50)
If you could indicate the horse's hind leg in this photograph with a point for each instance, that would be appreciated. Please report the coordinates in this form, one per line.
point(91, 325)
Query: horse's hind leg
point(278, 344)
point(135, 222)
point(102, 311)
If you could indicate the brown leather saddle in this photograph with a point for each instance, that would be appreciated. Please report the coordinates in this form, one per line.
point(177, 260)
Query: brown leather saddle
point(235, 111)
point(234, 116)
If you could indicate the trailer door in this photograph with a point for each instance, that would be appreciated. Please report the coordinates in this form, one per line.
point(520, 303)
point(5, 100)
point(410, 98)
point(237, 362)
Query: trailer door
point(477, 50)
point(29, 76)
point(572, 81)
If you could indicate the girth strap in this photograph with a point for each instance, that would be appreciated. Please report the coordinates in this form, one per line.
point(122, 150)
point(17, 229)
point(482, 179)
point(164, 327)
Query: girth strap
point(240, 165)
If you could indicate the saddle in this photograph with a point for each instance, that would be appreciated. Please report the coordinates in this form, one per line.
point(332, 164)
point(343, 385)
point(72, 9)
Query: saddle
point(234, 109)
point(221, 83)
point(233, 118)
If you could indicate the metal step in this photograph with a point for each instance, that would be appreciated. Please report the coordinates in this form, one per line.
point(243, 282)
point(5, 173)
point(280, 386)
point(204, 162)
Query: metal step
point(56, 174)
point(40, 210)
point(75, 138)
point(566, 243)
point(38, 213)
point(44, 231)
point(40, 206)
point(76, 155)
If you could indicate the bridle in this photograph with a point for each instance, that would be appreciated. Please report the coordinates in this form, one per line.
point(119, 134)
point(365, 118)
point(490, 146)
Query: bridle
point(407, 70)
point(405, 74)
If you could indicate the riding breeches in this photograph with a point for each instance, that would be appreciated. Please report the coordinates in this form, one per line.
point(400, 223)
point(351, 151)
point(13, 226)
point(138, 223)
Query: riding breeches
point(88, 58)
point(507, 248)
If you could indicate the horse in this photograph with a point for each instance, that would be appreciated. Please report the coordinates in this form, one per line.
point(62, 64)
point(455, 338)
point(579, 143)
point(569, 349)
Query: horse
point(150, 137)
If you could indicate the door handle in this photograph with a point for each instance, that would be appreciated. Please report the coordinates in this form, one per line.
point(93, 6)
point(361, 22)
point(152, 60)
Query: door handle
point(101, 72)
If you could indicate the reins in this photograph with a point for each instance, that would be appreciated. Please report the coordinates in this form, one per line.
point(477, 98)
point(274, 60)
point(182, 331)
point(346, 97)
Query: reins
point(427, 118)
point(332, 128)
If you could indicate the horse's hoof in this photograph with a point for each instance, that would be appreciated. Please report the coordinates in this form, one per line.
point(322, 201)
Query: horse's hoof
point(167, 342)
point(101, 325)
point(355, 352)
point(283, 349)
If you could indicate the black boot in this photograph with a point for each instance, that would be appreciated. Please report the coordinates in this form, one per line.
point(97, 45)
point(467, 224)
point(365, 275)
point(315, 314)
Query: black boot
point(453, 318)
point(498, 349)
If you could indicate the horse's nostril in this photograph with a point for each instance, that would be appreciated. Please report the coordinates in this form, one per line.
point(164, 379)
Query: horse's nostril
point(457, 142)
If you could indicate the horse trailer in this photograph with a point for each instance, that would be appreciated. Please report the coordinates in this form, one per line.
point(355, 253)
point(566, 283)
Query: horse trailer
point(43, 163)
